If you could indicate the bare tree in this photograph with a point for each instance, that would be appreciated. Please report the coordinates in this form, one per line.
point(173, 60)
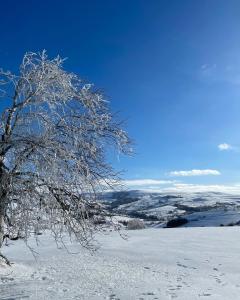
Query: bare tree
point(54, 136)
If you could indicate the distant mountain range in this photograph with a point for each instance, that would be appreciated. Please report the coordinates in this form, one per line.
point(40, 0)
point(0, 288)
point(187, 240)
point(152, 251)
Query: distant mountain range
point(156, 209)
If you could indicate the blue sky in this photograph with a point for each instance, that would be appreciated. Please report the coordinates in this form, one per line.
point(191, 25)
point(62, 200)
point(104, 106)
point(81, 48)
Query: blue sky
point(172, 69)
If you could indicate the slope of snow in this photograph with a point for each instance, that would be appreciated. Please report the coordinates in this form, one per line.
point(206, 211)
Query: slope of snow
point(161, 207)
point(181, 263)
point(213, 217)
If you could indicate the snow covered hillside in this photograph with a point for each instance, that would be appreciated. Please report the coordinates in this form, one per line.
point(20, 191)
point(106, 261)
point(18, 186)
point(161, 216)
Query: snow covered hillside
point(200, 209)
point(180, 263)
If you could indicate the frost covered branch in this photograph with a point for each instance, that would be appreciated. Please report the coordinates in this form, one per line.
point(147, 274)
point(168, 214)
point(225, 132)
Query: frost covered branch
point(53, 141)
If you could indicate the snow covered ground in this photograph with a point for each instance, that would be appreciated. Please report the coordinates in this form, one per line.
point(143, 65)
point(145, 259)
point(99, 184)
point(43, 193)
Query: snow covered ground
point(181, 263)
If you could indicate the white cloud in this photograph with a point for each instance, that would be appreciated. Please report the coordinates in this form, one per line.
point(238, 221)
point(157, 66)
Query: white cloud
point(224, 147)
point(146, 182)
point(173, 186)
point(135, 184)
point(195, 188)
point(220, 73)
point(208, 67)
point(194, 173)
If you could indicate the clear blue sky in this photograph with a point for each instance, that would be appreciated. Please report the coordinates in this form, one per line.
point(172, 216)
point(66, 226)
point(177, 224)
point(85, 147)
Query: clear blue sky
point(172, 69)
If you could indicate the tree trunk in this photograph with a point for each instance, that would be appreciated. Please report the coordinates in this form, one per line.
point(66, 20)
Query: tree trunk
point(1, 228)
point(2, 210)
point(3, 196)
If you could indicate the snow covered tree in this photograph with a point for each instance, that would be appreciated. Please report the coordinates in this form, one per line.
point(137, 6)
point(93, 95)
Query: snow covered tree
point(54, 133)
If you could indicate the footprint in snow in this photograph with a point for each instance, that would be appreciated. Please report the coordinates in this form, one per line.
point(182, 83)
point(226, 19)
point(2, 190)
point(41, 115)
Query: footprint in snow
point(205, 295)
point(113, 297)
point(6, 279)
point(181, 265)
point(148, 294)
